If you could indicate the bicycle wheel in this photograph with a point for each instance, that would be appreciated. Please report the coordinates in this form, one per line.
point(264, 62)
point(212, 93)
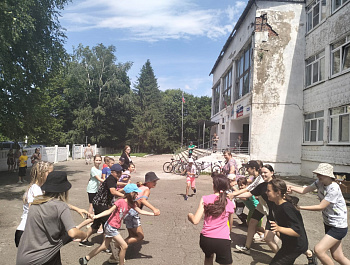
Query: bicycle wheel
point(167, 167)
point(216, 169)
point(179, 169)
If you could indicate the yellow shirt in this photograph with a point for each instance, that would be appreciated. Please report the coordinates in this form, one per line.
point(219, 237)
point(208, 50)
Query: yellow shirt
point(23, 161)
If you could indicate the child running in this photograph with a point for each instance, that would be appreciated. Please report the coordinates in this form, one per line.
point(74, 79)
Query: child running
point(94, 181)
point(218, 211)
point(132, 219)
point(117, 212)
point(191, 177)
point(288, 223)
point(125, 178)
point(334, 212)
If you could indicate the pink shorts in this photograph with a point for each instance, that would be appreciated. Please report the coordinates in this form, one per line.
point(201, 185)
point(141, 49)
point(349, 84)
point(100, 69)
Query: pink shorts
point(192, 181)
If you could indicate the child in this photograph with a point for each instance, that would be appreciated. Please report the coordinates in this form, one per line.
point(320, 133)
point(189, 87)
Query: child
point(106, 162)
point(238, 202)
point(125, 178)
point(288, 223)
point(49, 224)
point(334, 214)
point(107, 170)
point(132, 220)
point(22, 167)
point(215, 235)
point(38, 176)
point(251, 204)
point(118, 211)
point(191, 177)
point(94, 180)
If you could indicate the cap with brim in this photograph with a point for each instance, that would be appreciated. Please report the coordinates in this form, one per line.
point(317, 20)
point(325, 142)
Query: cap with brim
point(56, 182)
point(325, 169)
point(131, 188)
point(151, 176)
point(116, 167)
point(252, 163)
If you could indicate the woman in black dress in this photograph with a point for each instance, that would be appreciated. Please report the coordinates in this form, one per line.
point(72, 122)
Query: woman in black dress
point(126, 156)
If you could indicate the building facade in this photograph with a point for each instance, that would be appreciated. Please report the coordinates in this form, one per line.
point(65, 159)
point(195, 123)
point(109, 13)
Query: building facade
point(279, 70)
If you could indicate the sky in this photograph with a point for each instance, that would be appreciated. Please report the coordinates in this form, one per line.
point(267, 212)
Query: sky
point(181, 38)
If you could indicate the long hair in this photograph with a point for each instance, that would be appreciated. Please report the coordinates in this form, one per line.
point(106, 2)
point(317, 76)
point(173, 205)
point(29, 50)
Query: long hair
point(280, 185)
point(130, 199)
point(37, 176)
point(221, 184)
point(48, 196)
point(126, 147)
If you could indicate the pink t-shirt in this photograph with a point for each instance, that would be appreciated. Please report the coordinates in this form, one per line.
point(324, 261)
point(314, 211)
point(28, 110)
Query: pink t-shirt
point(119, 213)
point(217, 227)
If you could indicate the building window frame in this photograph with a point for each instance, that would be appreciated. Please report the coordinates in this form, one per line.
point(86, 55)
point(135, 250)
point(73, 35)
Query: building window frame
point(339, 125)
point(315, 69)
point(243, 67)
point(313, 127)
point(337, 4)
point(315, 13)
point(340, 56)
point(227, 89)
point(216, 98)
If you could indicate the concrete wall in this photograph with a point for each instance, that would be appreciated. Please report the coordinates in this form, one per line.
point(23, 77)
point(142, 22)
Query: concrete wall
point(276, 113)
point(330, 93)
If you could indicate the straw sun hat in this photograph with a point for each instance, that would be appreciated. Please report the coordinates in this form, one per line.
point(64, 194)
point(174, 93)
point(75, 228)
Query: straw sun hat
point(324, 169)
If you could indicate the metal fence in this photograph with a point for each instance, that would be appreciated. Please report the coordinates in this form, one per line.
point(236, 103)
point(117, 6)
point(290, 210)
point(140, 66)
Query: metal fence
point(78, 150)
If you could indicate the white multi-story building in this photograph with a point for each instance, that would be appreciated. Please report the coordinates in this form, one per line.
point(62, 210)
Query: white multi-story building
point(281, 85)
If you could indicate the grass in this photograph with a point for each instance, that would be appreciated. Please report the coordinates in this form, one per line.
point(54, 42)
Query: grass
point(133, 154)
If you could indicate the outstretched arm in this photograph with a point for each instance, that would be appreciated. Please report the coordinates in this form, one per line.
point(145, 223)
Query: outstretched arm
point(105, 213)
point(137, 209)
point(323, 204)
point(80, 211)
point(195, 218)
point(301, 190)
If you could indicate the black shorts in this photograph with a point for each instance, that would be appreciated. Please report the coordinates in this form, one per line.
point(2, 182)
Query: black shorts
point(91, 196)
point(97, 222)
point(285, 256)
point(218, 246)
point(337, 233)
point(22, 171)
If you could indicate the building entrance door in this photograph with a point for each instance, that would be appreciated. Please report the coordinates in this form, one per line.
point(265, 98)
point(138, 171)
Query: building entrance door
point(245, 136)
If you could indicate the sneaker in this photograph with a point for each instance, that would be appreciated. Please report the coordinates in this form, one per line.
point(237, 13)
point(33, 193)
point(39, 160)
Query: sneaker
point(243, 249)
point(83, 261)
point(112, 261)
point(20, 182)
point(86, 244)
point(108, 251)
point(100, 231)
point(312, 260)
point(186, 198)
point(194, 190)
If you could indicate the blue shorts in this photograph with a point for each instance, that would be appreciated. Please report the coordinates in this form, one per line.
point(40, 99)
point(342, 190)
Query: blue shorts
point(110, 231)
point(335, 232)
point(132, 219)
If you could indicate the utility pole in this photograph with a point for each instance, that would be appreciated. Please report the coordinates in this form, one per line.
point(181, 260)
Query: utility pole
point(182, 120)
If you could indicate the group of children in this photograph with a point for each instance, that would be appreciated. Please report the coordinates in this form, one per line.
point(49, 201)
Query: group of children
point(284, 220)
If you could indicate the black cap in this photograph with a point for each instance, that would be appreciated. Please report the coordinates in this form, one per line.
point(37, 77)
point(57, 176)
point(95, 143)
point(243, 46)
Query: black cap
point(56, 182)
point(116, 167)
point(252, 163)
point(150, 176)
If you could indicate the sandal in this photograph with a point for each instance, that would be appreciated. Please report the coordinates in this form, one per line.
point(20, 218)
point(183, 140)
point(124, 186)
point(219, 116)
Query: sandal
point(312, 260)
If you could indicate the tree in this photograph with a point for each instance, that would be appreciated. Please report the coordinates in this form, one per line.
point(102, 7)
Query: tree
point(98, 93)
point(148, 132)
point(31, 53)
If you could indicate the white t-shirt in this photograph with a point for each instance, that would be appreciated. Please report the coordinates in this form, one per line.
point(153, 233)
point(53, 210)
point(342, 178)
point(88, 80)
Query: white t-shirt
point(33, 191)
point(255, 183)
point(335, 214)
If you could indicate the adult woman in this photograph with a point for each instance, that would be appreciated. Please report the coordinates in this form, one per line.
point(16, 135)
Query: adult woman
point(334, 212)
point(88, 153)
point(36, 156)
point(230, 166)
point(126, 156)
point(263, 208)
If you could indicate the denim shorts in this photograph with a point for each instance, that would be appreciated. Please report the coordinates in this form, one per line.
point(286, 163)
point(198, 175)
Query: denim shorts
point(110, 231)
point(132, 219)
point(335, 232)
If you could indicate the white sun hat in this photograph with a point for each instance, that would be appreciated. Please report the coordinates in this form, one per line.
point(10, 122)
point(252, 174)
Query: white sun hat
point(324, 169)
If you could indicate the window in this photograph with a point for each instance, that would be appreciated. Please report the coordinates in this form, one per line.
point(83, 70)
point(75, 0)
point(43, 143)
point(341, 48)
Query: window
point(316, 12)
point(340, 52)
point(227, 87)
point(340, 128)
point(313, 127)
point(216, 100)
point(315, 68)
point(243, 74)
point(337, 4)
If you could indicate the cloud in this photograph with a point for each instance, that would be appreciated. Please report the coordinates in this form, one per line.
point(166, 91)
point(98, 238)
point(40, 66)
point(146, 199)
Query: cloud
point(151, 20)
